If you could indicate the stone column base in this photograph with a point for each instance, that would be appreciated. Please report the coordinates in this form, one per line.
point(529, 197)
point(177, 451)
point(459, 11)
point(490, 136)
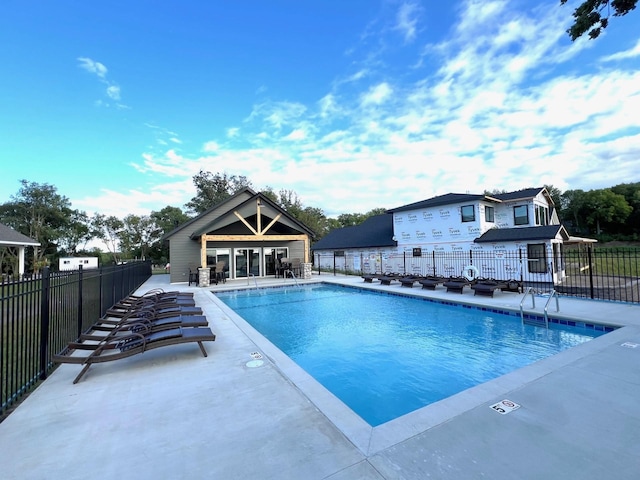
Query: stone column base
point(204, 279)
point(306, 271)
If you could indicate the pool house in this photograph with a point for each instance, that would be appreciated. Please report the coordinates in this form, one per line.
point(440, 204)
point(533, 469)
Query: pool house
point(244, 236)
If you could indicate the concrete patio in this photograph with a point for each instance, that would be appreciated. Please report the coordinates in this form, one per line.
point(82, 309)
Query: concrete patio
point(171, 413)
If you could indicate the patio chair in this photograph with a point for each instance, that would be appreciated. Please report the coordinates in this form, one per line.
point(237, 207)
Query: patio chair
point(159, 293)
point(220, 273)
point(132, 303)
point(282, 266)
point(431, 282)
point(193, 276)
point(487, 286)
point(408, 281)
point(116, 347)
point(150, 311)
point(456, 284)
point(387, 278)
point(512, 286)
point(147, 324)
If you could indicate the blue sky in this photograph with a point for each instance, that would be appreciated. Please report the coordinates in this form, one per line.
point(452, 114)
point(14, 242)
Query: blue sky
point(351, 104)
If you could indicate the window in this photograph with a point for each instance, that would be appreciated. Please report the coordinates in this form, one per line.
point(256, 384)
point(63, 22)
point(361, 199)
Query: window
point(542, 216)
point(521, 215)
point(537, 257)
point(488, 214)
point(468, 213)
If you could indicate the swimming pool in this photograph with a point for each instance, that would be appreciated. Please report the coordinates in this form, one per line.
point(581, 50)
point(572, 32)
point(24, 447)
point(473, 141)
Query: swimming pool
point(387, 355)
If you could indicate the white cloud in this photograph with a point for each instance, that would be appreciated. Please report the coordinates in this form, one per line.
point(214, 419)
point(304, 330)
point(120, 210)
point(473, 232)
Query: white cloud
point(406, 21)
point(377, 94)
point(113, 92)
point(92, 66)
point(631, 53)
point(493, 107)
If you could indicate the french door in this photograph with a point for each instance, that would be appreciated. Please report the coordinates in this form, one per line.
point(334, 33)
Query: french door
point(247, 262)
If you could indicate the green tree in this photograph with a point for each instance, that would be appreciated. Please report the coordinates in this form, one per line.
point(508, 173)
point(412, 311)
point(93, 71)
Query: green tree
point(167, 220)
point(76, 234)
point(593, 16)
point(572, 204)
point(212, 189)
point(631, 193)
point(137, 235)
point(604, 208)
point(39, 212)
point(108, 230)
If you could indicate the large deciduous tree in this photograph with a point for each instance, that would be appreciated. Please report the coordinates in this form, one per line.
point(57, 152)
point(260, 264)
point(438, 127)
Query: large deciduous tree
point(604, 208)
point(213, 189)
point(593, 16)
point(108, 229)
point(39, 212)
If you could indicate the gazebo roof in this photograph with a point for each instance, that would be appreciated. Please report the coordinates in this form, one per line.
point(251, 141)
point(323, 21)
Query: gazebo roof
point(11, 238)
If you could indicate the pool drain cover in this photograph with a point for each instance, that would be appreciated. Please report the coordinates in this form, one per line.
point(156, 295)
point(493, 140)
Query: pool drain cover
point(255, 363)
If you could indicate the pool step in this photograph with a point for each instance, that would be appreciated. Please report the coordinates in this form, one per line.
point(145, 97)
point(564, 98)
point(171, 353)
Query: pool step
point(536, 321)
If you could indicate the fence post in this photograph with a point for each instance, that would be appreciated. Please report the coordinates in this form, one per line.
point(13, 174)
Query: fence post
point(433, 258)
point(590, 259)
point(45, 300)
point(521, 268)
point(79, 300)
point(334, 263)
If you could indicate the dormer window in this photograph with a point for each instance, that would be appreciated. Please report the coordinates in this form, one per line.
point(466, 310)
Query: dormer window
point(521, 215)
point(542, 215)
point(468, 213)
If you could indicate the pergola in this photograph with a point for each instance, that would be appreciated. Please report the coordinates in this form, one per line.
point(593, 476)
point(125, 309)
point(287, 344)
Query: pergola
point(9, 238)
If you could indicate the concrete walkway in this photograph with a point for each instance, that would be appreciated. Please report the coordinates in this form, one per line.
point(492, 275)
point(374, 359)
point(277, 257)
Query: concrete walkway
point(171, 413)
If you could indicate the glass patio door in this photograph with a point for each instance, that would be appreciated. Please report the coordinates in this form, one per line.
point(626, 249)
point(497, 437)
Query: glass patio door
point(247, 261)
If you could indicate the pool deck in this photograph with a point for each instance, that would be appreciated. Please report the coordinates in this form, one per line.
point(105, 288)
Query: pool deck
point(171, 413)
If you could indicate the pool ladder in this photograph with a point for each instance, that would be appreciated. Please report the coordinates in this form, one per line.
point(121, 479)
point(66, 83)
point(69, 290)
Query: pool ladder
point(255, 281)
point(534, 321)
point(293, 275)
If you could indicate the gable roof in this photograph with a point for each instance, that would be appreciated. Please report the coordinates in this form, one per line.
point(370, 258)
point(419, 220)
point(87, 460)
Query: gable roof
point(520, 194)
point(546, 232)
point(268, 208)
point(251, 195)
point(13, 238)
point(376, 231)
point(455, 198)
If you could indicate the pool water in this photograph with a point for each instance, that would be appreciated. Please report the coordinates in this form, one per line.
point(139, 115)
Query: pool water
point(387, 355)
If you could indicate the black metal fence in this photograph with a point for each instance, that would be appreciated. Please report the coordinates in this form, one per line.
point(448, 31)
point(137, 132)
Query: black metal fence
point(40, 315)
point(589, 272)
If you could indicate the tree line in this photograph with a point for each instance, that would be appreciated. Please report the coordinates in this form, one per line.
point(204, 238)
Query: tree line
point(43, 214)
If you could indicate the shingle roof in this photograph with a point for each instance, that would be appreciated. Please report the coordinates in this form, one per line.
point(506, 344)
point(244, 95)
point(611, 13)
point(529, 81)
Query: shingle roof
point(446, 199)
point(454, 198)
point(526, 193)
point(376, 231)
point(522, 234)
point(9, 236)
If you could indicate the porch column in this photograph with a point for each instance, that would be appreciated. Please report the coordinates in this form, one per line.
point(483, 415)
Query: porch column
point(20, 261)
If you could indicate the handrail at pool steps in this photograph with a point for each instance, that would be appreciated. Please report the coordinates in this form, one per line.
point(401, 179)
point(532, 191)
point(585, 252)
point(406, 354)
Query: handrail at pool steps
point(293, 275)
point(546, 307)
point(532, 320)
